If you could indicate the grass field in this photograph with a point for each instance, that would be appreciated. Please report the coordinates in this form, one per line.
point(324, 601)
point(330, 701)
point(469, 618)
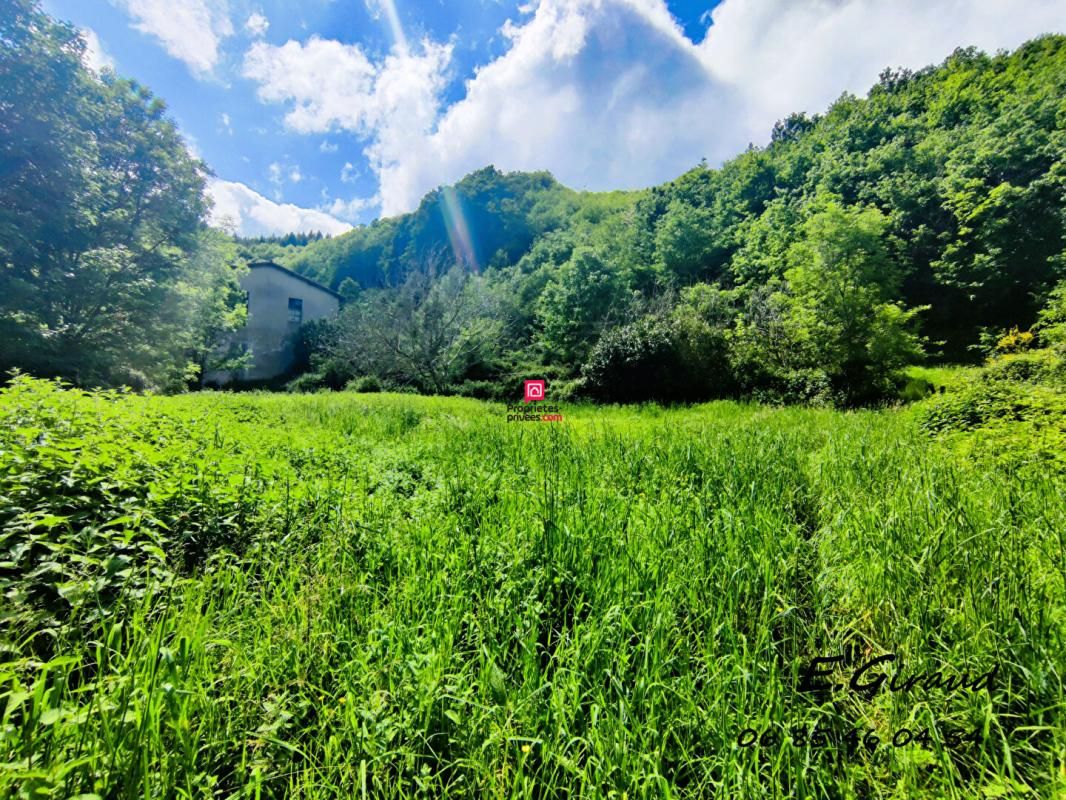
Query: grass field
point(344, 595)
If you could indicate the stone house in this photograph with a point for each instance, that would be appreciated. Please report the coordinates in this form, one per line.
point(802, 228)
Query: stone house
point(279, 302)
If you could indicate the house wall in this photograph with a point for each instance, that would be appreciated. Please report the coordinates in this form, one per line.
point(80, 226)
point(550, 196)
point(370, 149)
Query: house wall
point(268, 333)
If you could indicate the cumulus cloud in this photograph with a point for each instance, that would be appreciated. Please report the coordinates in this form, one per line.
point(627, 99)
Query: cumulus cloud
point(353, 209)
point(245, 212)
point(605, 94)
point(257, 24)
point(189, 30)
point(95, 57)
point(800, 56)
point(611, 93)
point(334, 86)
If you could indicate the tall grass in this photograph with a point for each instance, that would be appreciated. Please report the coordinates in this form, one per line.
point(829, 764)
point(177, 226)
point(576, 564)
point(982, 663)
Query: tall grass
point(393, 596)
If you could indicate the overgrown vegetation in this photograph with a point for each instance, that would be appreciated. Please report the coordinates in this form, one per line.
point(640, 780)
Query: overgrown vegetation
point(928, 216)
point(374, 594)
point(1015, 406)
point(412, 597)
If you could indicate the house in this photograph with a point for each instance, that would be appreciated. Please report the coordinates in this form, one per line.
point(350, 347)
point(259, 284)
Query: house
point(279, 302)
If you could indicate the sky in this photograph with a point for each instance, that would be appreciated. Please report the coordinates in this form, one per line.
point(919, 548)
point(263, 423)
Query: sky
point(324, 114)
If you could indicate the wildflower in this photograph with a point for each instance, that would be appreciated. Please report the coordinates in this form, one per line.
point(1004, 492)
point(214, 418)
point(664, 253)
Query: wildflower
point(525, 748)
point(342, 699)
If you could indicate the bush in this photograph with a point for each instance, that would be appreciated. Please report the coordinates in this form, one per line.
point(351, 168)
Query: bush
point(810, 387)
point(634, 363)
point(565, 390)
point(89, 528)
point(989, 401)
point(308, 382)
point(1004, 421)
point(480, 390)
point(365, 384)
point(1015, 341)
point(1036, 366)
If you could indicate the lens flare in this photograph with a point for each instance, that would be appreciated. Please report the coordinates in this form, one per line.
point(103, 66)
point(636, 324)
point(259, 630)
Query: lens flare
point(398, 38)
point(458, 229)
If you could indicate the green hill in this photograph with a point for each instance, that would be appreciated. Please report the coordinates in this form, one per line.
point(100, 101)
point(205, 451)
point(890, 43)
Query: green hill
point(939, 199)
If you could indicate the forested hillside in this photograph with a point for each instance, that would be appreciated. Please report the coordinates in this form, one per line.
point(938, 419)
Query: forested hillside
point(927, 220)
point(928, 216)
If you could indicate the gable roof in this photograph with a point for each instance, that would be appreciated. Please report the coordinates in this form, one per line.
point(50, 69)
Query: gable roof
point(297, 275)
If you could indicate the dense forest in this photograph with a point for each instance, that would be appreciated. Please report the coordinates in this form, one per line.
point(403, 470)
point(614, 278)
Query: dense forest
point(925, 221)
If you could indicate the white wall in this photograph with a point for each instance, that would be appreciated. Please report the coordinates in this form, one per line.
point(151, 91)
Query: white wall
point(268, 332)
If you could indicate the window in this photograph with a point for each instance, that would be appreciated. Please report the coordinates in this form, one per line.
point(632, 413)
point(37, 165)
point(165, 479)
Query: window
point(296, 310)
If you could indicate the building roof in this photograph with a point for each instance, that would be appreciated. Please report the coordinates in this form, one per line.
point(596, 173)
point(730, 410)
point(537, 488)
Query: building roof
point(297, 275)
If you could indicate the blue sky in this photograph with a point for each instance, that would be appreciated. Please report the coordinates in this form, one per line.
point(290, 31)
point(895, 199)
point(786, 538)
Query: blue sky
point(328, 113)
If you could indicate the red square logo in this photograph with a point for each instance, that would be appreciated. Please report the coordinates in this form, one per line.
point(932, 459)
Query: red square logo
point(534, 391)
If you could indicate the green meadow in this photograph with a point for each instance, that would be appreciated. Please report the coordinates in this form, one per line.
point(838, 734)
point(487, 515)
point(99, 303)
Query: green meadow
point(344, 595)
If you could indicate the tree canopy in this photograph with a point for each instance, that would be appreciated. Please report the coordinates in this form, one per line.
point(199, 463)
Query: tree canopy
point(922, 218)
point(925, 219)
point(107, 270)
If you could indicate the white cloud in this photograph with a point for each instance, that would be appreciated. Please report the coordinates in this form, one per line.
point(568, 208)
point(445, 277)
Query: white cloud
point(800, 56)
point(610, 93)
point(327, 146)
point(334, 86)
point(96, 58)
point(295, 175)
point(226, 122)
point(352, 210)
point(274, 173)
point(349, 172)
point(604, 94)
point(189, 30)
point(257, 24)
point(245, 212)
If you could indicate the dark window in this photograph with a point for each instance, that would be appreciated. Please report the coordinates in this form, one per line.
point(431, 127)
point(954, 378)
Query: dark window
point(296, 309)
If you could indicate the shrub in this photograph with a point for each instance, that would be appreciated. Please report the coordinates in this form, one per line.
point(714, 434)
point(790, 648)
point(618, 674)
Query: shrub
point(565, 390)
point(1015, 341)
point(308, 382)
point(803, 386)
point(1003, 421)
point(990, 400)
point(365, 384)
point(1035, 366)
point(634, 363)
point(481, 390)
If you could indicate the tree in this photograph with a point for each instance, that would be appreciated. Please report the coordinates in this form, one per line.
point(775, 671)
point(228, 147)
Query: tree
point(634, 362)
point(1051, 321)
point(843, 283)
point(426, 333)
point(101, 217)
point(577, 302)
point(685, 241)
